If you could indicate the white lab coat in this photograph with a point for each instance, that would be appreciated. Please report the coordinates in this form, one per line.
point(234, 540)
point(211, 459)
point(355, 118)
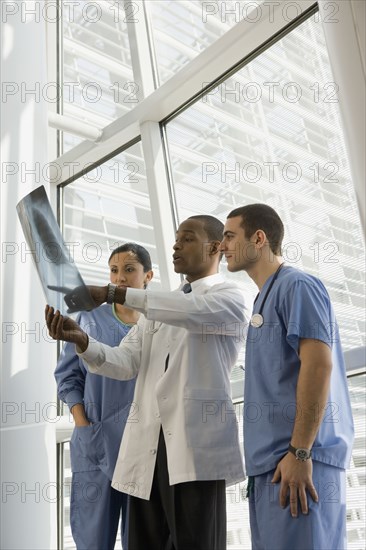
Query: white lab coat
point(202, 333)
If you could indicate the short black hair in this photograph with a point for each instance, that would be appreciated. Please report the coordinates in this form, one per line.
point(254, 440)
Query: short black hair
point(261, 216)
point(139, 251)
point(213, 227)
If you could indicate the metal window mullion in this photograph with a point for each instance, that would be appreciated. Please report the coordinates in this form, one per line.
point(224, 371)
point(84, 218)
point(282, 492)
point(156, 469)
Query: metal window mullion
point(141, 55)
point(54, 61)
point(162, 208)
point(226, 52)
point(60, 495)
point(53, 34)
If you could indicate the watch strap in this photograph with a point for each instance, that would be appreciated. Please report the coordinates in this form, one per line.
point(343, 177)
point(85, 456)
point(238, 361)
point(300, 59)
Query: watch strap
point(111, 293)
point(301, 453)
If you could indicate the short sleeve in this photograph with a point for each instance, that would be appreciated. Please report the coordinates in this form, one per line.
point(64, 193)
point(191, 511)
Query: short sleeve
point(306, 313)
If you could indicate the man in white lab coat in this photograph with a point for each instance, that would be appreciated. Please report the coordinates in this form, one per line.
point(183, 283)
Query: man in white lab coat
point(180, 446)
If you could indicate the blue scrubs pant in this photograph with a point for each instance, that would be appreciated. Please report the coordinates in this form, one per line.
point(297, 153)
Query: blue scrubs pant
point(324, 528)
point(95, 510)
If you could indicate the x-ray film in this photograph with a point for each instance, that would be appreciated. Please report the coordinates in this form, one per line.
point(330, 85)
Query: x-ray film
point(62, 283)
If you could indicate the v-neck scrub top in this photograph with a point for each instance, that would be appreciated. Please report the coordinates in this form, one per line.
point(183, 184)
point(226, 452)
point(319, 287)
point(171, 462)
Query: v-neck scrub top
point(298, 306)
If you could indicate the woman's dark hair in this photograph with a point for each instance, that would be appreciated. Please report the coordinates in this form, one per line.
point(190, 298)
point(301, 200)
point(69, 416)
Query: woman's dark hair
point(139, 251)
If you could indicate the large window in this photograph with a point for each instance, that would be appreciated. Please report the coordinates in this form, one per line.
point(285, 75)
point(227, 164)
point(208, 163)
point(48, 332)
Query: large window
point(181, 30)
point(271, 133)
point(106, 207)
point(356, 476)
point(268, 132)
point(98, 84)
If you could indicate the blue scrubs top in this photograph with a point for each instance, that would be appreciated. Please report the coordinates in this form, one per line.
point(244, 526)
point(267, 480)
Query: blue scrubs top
point(107, 402)
point(298, 306)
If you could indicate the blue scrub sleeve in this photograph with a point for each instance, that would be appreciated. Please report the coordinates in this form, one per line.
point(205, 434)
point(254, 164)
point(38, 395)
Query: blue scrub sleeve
point(306, 312)
point(70, 374)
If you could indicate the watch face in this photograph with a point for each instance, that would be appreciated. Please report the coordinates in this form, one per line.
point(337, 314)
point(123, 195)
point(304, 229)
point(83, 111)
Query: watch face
point(302, 454)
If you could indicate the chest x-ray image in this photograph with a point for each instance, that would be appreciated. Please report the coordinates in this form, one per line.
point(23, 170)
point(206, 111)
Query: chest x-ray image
point(62, 283)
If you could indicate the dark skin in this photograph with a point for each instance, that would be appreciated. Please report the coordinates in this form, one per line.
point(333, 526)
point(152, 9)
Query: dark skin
point(194, 255)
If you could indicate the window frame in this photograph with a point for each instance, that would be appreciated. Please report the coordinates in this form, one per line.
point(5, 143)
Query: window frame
point(146, 122)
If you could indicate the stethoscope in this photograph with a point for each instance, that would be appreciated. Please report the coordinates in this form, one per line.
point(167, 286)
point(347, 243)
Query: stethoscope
point(257, 318)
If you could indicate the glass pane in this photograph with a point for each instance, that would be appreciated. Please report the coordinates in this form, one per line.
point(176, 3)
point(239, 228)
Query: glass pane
point(98, 82)
point(183, 29)
point(237, 509)
point(271, 133)
point(238, 531)
point(356, 476)
point(66, 485)
point(70, 140)
point(106, 208)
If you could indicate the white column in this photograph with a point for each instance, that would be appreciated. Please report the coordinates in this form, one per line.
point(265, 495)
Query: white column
point(161, 202)
point(141, 56)
point(28, 447)
point(344, 29)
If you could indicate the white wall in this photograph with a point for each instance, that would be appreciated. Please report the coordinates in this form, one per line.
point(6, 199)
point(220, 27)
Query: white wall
point(344, 28)
point(28, 449)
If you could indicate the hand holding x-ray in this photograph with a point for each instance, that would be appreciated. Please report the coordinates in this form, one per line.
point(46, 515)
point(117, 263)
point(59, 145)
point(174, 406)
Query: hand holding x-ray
point(62, 283)
point(64, 328)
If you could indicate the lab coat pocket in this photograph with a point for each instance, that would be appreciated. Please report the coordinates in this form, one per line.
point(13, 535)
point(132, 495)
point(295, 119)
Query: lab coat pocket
point(87, 447)
point(210, 418)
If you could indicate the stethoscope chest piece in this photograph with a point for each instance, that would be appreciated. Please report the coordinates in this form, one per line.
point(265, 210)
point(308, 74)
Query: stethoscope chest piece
point(257, 320)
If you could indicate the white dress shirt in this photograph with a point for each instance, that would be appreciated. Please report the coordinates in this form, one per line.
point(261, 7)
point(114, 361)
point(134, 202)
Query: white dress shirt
point(202, 332)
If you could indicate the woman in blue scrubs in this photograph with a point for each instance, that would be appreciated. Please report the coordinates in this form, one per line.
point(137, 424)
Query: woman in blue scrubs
point(100, 407)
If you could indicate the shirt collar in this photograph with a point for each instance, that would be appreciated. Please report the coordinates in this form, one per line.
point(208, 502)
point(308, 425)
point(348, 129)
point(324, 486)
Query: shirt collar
point(205, 282)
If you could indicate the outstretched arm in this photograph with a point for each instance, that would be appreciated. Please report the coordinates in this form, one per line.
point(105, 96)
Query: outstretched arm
point(218, 311)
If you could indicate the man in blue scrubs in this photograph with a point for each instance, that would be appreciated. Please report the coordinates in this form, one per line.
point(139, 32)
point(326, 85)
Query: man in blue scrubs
point(298, 427)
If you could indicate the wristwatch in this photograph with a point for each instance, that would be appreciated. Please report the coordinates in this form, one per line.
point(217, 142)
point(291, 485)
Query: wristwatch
point(111, 293)
point(300, 453)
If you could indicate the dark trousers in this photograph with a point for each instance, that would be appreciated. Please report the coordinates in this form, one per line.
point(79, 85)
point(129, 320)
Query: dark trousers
point(186, 516)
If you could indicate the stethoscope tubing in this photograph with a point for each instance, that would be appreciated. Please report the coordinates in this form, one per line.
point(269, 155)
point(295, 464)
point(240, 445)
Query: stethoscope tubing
point(257, 320)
